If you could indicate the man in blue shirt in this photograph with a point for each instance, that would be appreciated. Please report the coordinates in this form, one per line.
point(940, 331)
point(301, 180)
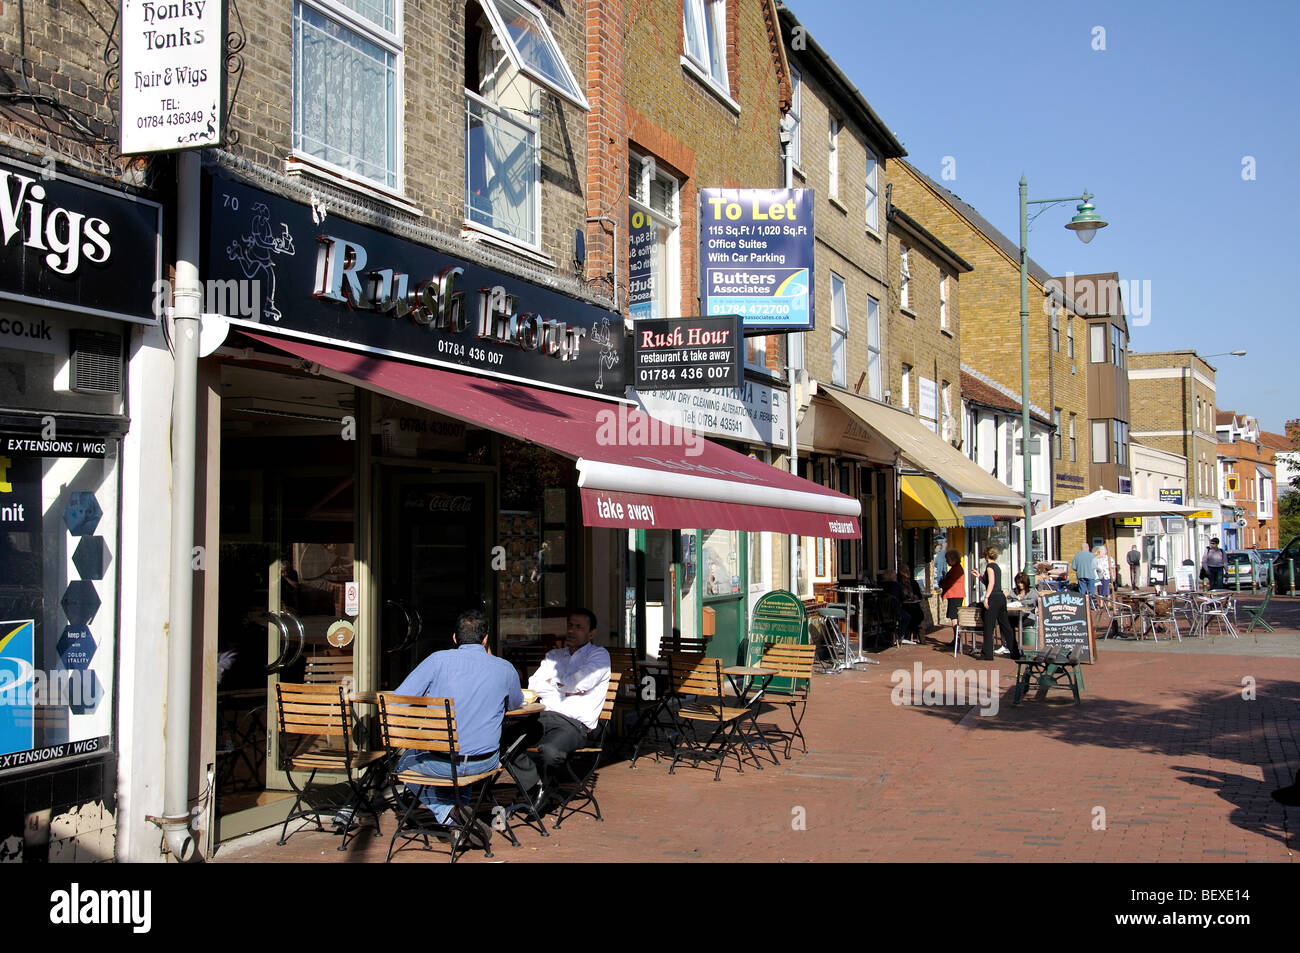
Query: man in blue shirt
point(482, 688)
point(1085, 569)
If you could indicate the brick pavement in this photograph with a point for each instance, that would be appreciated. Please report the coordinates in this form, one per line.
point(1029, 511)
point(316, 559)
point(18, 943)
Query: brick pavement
point(1164, 761)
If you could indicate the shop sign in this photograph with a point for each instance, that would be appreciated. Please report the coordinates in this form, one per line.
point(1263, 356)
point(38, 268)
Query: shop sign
point(1128, 521)
point(173, 74)
point(1171, 495)
point(341, 283)
point(28, 444)
point(778, 617)
point(751, 413)
point(687, 353)
point(756, 253)
point(69, 244)
point(20, 493)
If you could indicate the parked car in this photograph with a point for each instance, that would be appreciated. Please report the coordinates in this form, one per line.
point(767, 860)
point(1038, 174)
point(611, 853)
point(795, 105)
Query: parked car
point(1245, 567)
point(1282, 566)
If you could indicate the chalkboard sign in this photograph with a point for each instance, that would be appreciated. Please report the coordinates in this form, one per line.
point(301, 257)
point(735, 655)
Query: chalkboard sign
point(1066, 622)
point(777, 617)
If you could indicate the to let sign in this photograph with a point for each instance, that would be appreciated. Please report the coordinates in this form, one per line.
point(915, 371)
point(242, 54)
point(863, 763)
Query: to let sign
point(686, 353)
point(173, 74)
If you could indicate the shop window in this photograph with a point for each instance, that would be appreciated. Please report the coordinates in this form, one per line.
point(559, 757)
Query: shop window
point(347, 67)
point(58, 598)
point(655, 255)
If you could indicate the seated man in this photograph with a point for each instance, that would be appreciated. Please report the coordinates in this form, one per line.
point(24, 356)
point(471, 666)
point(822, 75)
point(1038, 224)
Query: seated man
point(482, 688)
point(571, 682)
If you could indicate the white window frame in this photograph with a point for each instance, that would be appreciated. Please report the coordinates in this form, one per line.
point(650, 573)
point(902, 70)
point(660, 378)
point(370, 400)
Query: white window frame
point(1056, 329)
point(671, 272)
point(833, 157)
point(874, 363)
point(1056, 433)
point(473, 99)
point(943, 302)
point(1100, 441)
point(390, 41)
point(904, 276)
point(873, 192)
point(1097, 344)
point(1069, 337)
point(839, 331)
point(906, 386)
point(572, 92)
point(794, 118)
point(712, 18)
point(1074, 439)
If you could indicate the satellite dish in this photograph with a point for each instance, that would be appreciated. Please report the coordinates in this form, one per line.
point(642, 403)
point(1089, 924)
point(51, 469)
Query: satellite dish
point(213, 329)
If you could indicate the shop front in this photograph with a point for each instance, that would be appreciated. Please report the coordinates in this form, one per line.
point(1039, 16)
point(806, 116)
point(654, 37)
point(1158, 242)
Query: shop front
point(68, 307)
point(405, 435)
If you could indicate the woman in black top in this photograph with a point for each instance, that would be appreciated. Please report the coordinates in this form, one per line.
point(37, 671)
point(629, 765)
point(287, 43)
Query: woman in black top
point(995, 609)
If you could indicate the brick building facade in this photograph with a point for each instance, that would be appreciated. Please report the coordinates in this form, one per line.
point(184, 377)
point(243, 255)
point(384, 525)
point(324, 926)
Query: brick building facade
point(991, 326)
point(1247, 474)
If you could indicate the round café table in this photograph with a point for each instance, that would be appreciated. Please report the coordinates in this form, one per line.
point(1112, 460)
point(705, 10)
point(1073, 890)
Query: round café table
point(860, 592)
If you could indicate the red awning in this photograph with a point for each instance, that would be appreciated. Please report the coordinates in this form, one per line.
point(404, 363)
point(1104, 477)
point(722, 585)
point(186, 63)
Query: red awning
point(634, 472)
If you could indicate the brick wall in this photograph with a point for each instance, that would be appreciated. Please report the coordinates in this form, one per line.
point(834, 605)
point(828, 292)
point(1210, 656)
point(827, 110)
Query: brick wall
point(845, 244)
point(914, 335)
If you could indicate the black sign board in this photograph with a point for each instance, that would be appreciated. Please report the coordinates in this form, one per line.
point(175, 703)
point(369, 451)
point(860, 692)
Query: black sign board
point(687, 353)
point(1066, 622)
point(69, 244)
point(337, 281)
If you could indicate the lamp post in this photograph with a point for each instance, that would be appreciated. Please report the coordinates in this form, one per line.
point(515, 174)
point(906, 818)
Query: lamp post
point(1084, 224)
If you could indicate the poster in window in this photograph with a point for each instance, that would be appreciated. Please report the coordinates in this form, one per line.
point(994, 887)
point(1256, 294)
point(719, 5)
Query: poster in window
point(640, 278)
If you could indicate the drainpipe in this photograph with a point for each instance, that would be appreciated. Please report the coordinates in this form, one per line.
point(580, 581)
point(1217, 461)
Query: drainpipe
point(185, 337)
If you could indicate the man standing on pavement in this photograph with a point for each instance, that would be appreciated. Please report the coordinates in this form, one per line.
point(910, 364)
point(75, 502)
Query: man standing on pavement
point(1085, 570)
point(1213, 562)
point(1134, 559)
point(482, 688)
point(571, 682)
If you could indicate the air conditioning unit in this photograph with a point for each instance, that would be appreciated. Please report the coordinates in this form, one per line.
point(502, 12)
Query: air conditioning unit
point(95, 366)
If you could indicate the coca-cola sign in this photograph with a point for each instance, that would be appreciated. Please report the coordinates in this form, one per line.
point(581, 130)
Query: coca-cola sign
point(80, 246)
point(438, 503)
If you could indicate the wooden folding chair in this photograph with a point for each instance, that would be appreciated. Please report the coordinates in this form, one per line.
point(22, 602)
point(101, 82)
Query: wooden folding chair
point(795, 662)
point(623, 662)
point(409, 722)
point(701, 679)
point(313, 711)
point(327, 669)
point(583, 791)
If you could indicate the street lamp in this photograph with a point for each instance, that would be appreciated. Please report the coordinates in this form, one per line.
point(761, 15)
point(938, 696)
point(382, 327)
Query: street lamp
point(1084, 224)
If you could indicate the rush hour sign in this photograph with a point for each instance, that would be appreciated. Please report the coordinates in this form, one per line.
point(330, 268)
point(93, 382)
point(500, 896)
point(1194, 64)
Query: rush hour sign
point(686, 353)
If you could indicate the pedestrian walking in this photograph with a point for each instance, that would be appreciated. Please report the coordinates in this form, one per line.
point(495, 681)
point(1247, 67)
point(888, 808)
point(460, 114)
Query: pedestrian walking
point(1102, 563)
point(1213, 562)
point(1085, 570)
point(1134, 559)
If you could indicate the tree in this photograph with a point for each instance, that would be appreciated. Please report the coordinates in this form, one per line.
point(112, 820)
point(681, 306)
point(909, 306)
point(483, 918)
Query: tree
point(1288, 511)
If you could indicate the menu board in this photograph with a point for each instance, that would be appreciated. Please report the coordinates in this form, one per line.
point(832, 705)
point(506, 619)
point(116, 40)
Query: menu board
point(1066, 622)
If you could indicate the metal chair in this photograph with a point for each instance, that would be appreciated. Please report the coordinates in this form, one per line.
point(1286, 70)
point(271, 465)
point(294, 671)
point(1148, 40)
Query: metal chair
point(409, 722)
point(702, 679)
point(795, 662)
point(583, 790)
point(313, 711)
point(1257, 613)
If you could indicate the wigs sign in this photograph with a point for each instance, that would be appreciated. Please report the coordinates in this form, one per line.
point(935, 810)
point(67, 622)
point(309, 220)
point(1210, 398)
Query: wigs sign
point(173, 71)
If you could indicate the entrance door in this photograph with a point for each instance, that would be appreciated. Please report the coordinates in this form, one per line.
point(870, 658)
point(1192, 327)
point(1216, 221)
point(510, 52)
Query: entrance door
point(434, 539)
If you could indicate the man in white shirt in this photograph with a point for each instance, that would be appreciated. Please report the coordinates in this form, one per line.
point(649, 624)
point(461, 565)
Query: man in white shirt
point(571, 682)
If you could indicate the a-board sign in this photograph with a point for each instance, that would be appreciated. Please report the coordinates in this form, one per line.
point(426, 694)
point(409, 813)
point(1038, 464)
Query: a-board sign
point(1066, 622)
point(777, 617)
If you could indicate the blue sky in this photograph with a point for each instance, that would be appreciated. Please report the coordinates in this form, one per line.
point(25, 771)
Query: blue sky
point(1157, 125)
